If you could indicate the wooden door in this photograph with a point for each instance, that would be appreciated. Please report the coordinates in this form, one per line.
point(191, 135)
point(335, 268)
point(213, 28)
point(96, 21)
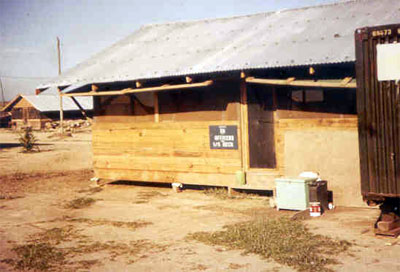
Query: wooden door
point(261, 127)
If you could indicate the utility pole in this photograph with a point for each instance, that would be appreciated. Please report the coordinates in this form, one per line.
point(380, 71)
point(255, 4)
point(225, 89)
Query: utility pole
point(59, 56)
point(59, 90)
point(2, 94)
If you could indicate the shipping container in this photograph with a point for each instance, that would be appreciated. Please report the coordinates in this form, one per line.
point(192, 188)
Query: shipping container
point(377, 58)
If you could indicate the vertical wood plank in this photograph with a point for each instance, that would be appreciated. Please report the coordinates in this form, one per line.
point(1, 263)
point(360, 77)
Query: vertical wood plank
point(156, 108)
point(61, 112)
point(244, 126)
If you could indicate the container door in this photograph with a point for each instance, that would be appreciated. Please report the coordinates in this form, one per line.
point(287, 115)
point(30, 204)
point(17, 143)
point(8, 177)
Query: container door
point(261, 126)
point(379, 116)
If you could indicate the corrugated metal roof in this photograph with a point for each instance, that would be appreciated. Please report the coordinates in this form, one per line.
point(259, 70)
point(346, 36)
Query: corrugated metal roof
point(46, 103)
point(305, 36)
point(54, 90)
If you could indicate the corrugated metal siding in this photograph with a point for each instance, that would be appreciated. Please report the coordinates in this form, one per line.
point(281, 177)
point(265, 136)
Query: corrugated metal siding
point(313, 35)
point(379, 118)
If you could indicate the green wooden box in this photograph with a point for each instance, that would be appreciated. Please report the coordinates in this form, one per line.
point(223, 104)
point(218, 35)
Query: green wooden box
point(292, 193)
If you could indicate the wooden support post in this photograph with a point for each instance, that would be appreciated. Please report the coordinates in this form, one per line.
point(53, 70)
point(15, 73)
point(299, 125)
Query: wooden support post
point(84, 113)
point(156, 108)
point(275, 103)
point(274, 98)
point(244, 125)
point(61, 112)
point(94, 88)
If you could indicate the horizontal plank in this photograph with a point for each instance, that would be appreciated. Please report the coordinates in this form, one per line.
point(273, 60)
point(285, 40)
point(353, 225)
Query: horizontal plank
point(205, 115)
point(333, 123)
point(117, 148)
point(339, 83)
point(145, 132)
point(167, 177)
point(98, 125)
point(149, 118)
point(141, 90)
point(199, 165)
point(297, 114)
point(201, 143)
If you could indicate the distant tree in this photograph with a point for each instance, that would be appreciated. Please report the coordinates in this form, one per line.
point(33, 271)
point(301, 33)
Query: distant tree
point(28, 140)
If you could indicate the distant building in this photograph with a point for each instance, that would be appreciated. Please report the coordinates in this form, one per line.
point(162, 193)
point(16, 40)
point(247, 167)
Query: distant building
point(36, 110)
point(5, 119)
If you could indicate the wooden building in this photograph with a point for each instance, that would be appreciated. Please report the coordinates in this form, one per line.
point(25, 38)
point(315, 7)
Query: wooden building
point(37, 110)
point(231, 102)
point(5, 119)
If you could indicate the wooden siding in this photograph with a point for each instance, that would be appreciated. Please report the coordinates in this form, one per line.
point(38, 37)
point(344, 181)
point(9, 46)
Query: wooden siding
point(148, 151)
point(134, 145)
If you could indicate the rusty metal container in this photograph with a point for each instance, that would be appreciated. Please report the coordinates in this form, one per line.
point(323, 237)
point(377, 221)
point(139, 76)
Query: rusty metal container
point(378, 109)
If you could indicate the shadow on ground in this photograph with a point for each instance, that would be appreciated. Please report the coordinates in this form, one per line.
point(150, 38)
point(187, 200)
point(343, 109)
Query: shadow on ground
point(12, 145)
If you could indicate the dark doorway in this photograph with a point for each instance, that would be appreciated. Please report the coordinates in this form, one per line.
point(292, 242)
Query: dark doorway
point(261, 126)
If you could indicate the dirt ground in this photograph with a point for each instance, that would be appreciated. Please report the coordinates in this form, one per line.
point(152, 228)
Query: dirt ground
point(144, 228)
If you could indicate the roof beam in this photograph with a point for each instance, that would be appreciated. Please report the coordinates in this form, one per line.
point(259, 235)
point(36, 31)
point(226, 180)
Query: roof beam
point(94, 88)
point(188, 79)
point(141, 90)
point(341, 83)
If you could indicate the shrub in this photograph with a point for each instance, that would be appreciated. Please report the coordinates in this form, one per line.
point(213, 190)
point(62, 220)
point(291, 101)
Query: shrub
point(38, 256)
point(28, 140)
point(286, 241)
point(80, 203)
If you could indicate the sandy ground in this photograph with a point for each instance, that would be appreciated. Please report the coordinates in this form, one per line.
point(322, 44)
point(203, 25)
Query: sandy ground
point(36, 188)
point(57, 154)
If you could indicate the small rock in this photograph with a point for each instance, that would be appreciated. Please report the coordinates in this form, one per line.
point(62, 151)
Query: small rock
point(94, 179)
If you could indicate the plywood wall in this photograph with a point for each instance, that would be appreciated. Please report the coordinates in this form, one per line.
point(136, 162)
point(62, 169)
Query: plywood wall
point(326, 146)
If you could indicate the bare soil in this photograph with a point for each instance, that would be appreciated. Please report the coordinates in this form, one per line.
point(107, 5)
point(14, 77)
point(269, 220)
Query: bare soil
point(144, 228)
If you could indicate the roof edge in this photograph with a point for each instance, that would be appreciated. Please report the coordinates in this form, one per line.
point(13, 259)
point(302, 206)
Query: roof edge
point(9, 104)
point(332, 3)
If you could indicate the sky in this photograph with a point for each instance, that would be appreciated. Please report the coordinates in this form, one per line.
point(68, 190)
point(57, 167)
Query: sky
point(28, 30)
